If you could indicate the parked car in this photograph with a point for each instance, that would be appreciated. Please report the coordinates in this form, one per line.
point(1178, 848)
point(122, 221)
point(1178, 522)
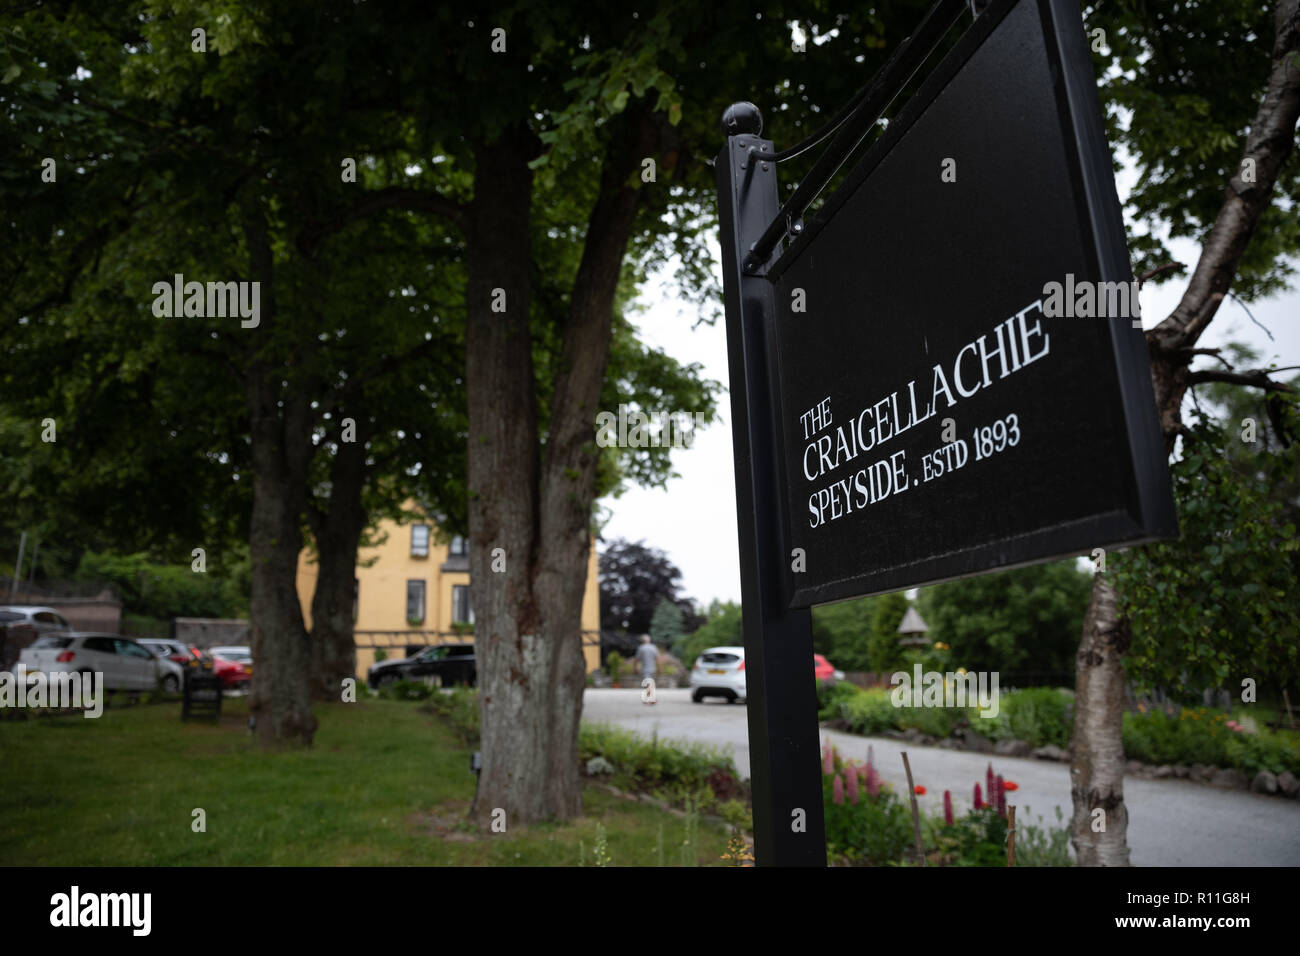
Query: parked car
point(234, 665)
point(823, 670)
point(238, 653)
point(177, 651)
point(234, 676)
point(125, 664)
point(172, 658)
point(21, 624)
point(42, 620)
point(719, 672)
point(444, 664)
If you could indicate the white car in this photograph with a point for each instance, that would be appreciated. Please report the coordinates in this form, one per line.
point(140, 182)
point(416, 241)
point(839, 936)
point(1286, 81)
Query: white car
point(125, 664)
point(172, 674)
point(719, 672)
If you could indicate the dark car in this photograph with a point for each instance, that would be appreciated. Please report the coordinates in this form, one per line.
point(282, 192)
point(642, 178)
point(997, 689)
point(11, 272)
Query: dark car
point(444, 664)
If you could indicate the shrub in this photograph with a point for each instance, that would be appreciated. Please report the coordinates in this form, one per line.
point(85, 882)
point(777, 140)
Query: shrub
point(977, 839)
point(1040, 715)
point(1255, 752)
point(408, 690)
point(460, 709)
point(686, 767)
point(1201, 735)
point(869, 712)
point(830, 695)
point(865, 821)
point(737, 815)
point(614, 665)
point(936, 721)
point(1038, 844)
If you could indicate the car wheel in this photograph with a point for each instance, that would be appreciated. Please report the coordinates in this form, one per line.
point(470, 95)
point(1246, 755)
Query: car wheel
point(696, 697)
point(170, 684)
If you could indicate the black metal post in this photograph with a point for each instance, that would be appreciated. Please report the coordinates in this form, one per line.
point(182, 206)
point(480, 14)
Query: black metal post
point(789, 826)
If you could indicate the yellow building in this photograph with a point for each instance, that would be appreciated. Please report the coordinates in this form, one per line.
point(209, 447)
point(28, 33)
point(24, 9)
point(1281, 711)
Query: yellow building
point(412, 591)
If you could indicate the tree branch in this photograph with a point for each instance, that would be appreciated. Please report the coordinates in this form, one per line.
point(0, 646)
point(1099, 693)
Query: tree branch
point(381, 200)
point(1268, 145)
point(1257, 378)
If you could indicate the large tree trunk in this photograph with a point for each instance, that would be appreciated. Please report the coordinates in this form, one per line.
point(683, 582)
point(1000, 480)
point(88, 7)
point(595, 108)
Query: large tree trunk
point(515, 661)
point(280, 700)
point(337, 531)
point(1097, 770)
point(528, 618)
point(280, 428)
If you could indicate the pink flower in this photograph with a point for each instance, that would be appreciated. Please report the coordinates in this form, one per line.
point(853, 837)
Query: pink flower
point(828, 760)
point(947, 807)
point(873, 781)
point(988, 782)
point(1002, 795)
point(979, 800)
point(837, 790)
point(853, 786)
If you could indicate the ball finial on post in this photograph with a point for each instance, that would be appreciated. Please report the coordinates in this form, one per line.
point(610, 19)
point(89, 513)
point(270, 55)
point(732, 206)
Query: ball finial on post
point(742, 117)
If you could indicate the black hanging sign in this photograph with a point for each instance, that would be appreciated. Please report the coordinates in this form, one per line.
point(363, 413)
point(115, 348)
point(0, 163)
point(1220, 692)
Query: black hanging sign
point(961, 383)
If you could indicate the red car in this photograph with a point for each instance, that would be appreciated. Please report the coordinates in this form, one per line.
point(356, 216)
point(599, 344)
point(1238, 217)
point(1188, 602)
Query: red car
point(234, 675)
point(823, 671)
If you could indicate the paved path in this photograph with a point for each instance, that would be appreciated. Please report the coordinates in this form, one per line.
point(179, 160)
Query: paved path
point(1171, 822)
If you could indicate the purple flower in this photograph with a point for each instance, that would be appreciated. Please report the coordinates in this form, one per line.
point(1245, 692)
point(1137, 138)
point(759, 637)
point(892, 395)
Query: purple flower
point(1001, 795)
point(873, 781)
point(828, 760)
point(947, 806)
point(979, 800)
point(837, 790)
point(853, 785)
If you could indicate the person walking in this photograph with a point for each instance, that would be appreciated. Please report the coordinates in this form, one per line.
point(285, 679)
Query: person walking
point(647, 656)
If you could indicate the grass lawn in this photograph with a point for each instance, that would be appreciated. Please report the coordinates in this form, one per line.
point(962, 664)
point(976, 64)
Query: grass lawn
point(384, 784)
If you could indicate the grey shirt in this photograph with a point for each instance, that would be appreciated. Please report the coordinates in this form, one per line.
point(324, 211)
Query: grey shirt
point(648, 655)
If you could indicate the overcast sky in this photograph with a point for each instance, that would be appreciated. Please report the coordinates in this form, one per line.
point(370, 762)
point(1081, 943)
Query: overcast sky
point(694, 519)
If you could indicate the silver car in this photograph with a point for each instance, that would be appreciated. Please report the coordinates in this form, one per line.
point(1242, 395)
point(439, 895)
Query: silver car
point(37, 618)
point(125, 664)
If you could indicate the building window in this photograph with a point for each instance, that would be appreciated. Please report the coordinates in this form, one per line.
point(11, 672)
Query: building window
point(419, 540)
point(461, 611)
point(459, 547)
point(415, 602)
